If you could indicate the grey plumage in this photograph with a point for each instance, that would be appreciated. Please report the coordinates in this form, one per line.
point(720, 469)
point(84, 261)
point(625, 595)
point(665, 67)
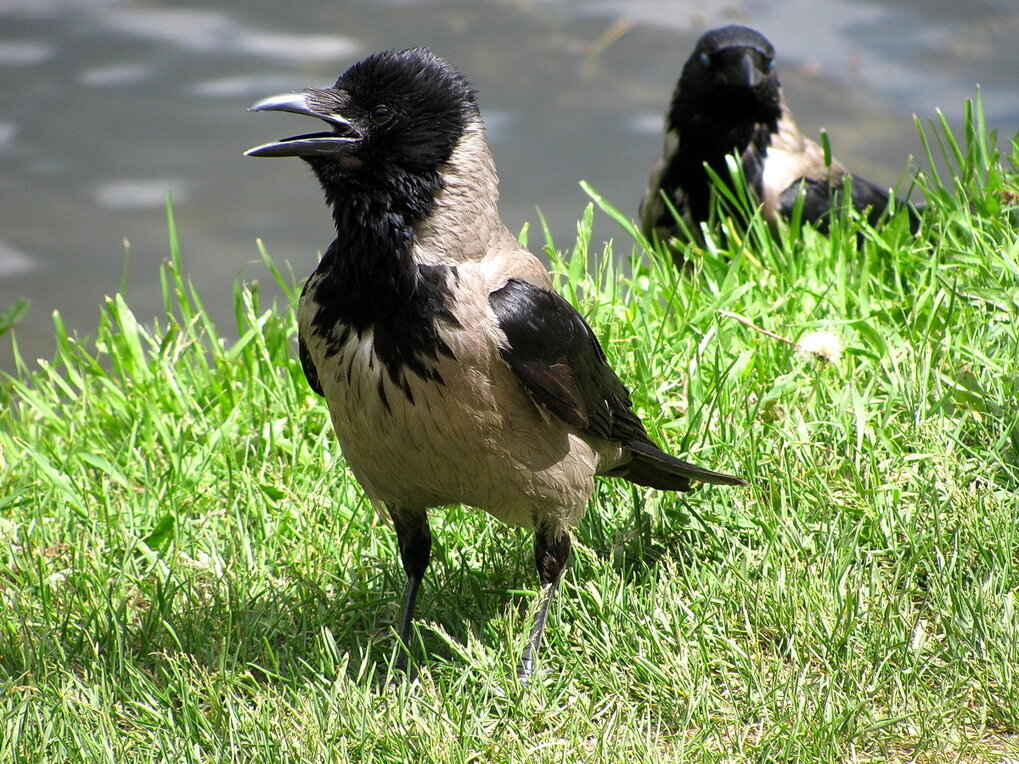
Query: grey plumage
point(452, 371)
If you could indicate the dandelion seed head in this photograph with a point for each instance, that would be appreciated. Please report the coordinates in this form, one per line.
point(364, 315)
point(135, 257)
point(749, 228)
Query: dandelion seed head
point(820, 346)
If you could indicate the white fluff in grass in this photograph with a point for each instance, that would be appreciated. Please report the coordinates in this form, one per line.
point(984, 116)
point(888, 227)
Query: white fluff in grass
point(820, 346)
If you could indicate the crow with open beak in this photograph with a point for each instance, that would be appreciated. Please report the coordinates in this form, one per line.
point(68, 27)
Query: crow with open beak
point(728, 101)
point(452, 371)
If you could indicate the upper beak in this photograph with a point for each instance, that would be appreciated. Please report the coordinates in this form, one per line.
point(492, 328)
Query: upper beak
point(752, 76)
point(313, 144)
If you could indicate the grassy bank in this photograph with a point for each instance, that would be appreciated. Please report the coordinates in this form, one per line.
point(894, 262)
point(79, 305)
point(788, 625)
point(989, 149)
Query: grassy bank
point(189, 573)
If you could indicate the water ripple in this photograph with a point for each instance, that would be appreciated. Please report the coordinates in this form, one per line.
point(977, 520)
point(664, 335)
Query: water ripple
point(14, 262)
point(217, 32)
point(25, 52)
point(7, 132)
point(148, 193)
point(247, 85)
point(115, 74)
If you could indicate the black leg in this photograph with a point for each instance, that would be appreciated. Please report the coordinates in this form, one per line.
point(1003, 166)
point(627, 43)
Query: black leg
point(415, 541)
point(551, 553)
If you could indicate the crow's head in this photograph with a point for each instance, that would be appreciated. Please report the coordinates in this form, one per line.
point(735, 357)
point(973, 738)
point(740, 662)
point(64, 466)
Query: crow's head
point(731, 72)
point(394, 118)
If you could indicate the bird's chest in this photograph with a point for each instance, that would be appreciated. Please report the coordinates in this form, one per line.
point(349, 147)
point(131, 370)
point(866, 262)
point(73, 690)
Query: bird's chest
point(411, 417)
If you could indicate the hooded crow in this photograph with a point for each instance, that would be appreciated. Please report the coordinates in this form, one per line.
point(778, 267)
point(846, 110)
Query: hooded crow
point(453, 373)
point(728, 101)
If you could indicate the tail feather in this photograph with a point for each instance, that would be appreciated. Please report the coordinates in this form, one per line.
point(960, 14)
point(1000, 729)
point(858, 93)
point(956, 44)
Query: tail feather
point(656, 469)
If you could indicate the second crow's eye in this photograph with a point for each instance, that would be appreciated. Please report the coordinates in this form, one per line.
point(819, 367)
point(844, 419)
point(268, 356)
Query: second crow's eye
point(381, 115)
point(771, 66)
point(705, 60)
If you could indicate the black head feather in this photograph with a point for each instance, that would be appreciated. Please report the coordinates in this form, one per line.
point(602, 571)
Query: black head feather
point(410, 106)
point(729, 77)
point(394, 118)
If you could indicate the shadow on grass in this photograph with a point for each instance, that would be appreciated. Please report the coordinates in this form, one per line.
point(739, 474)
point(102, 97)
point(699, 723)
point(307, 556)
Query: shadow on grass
point(300, 626)
point(294, 625)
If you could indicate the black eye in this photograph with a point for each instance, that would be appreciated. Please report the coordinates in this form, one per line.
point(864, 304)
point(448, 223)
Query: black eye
point(771, 65)
point(705, 60)
point(381, 115)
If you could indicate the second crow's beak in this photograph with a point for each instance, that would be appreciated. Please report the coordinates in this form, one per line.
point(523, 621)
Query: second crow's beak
point(340, 140)
point(751, 75)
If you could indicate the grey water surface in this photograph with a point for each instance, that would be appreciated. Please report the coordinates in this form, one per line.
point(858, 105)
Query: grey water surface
point(107, 106)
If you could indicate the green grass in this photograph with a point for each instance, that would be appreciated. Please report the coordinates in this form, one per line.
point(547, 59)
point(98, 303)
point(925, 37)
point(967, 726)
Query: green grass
point(189, 573)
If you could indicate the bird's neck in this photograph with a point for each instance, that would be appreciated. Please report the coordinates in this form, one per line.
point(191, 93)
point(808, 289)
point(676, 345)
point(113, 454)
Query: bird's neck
point(464, 220)
point(371, 282)
point(707, 134)
point(712, 131)
point(371, 261)
point(389, 228)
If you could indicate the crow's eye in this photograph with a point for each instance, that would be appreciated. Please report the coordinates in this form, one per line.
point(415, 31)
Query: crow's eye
point(381, 115)
point(705, 60)
point(771, 65)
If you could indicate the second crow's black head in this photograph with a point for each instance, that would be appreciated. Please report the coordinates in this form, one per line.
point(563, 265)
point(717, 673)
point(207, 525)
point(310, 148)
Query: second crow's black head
point(730, 74)
point(394, 118)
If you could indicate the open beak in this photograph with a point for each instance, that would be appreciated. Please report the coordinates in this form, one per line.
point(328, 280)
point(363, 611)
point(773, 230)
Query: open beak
point(339, 140)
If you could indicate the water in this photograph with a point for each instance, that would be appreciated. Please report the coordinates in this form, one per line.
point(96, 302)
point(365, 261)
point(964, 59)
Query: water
point(106, 106)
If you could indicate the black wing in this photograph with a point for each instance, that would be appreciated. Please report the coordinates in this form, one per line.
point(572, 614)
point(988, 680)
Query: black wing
point(310, 372)
point(558, 360)
point(821, 196)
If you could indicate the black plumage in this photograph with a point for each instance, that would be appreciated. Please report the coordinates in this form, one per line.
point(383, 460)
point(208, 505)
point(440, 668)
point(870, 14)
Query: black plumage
point(452, 371)
point(729, 101)
point(558, 360)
